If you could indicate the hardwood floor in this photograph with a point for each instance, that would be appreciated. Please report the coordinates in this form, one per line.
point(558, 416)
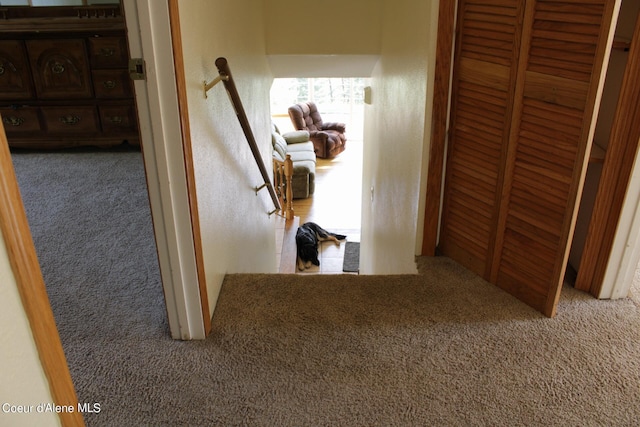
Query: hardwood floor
point(335, 205)
point(336, 201)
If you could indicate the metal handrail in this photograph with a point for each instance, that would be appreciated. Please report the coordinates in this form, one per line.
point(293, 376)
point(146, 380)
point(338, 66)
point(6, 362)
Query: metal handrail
point(227, 79)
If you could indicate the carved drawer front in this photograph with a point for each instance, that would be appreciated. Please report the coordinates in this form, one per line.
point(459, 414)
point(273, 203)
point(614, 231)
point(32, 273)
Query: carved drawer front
point(74, 119)
point(112, 84)
point(20, 120)
point(108, 52)
point(120, 118)
point(15, 76)
point(60, 68)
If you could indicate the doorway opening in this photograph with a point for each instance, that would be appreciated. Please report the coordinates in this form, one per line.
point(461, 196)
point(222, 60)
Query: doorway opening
point(610, 169)
point(336, 201)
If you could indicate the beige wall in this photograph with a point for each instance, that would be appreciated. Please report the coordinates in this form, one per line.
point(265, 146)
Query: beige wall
point(401, 35)
point(396, 138)
point(330, 38)
point(237, 234)
point(324, 27)
point(23, 379)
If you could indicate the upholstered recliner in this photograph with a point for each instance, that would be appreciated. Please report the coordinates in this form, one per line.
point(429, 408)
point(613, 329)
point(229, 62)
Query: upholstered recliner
point(328, 138)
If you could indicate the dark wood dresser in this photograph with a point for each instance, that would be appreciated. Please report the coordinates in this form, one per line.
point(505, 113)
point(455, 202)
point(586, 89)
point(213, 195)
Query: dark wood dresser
point(64, 78)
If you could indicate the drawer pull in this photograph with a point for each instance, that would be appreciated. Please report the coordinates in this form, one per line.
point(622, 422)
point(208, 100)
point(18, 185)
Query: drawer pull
point(57, 68)
point(109, 84)
point(13, 121)
point(115, 119)
point(105, 51)
point(70, 120)
point(1, 70)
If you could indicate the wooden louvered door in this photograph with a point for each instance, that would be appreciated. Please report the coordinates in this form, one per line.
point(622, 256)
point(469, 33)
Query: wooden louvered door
point(526, 79)
point(487, 51)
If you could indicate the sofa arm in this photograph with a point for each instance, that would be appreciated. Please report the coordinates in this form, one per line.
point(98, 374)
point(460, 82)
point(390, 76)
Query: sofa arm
point(340, 127)
point(319, 135)
point(296, 136)
point(301, 170)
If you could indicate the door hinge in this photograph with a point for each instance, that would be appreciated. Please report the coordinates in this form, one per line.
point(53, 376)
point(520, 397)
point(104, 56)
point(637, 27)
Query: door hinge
point(137, 69)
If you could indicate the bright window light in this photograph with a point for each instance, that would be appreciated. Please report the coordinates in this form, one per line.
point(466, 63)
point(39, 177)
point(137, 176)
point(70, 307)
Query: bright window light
point(338, 100)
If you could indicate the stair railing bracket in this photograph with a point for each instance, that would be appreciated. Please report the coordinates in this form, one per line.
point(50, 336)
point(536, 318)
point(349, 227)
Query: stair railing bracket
point(213, 82)
point(261, 187)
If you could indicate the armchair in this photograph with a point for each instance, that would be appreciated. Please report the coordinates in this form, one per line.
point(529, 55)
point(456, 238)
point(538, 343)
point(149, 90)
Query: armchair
point(328, 138)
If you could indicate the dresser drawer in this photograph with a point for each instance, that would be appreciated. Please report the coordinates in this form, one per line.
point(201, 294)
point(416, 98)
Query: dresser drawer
point(120, 118)
point(60, 68)
point(20, 120)
point(108, 52)
point(111, 84)
point(82, 119)
point(15, 75)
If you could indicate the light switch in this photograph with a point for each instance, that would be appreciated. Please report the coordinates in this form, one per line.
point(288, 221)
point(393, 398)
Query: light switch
point(367, 95)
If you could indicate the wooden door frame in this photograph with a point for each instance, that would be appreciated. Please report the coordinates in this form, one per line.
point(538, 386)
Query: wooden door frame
point(181, 83)
point(616, 172)
point(31, 287)
point(161, 134)
point(439, 124)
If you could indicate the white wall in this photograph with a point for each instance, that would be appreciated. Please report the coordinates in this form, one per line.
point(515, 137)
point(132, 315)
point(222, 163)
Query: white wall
point(396, 138)
point(23, 381)
point(237, 233)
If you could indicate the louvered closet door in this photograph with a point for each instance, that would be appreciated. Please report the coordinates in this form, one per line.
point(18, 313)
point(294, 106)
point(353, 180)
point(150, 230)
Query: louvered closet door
point(537, 171)
point(482, 97)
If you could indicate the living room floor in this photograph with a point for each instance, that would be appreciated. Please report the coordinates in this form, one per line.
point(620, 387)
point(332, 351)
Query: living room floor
point(335, 205)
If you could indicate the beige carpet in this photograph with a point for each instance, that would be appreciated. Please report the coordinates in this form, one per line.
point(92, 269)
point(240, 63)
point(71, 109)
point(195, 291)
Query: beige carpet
point(442, 348)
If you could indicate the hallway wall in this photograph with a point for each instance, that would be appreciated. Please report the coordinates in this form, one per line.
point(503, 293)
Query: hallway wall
point(393, 40)
point(333, 38)
point(396, 138)
point(234, 224)
point(25, 382)
point(326, 27)
point(237, 234)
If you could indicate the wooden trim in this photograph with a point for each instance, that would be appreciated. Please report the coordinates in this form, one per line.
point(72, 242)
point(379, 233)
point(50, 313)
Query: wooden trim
point(589, 123)
point(26, 269)
point(442, 83)
point(616, 172)
point(178, 58)
point(623, 45)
